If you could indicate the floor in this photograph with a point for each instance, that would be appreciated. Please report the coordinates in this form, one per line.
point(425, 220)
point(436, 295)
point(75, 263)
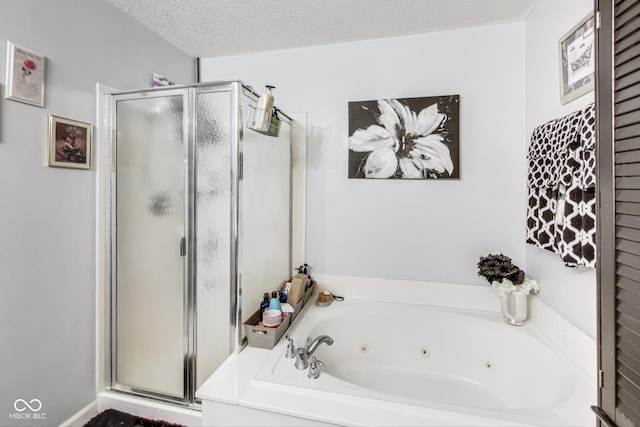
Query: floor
point(91, 411)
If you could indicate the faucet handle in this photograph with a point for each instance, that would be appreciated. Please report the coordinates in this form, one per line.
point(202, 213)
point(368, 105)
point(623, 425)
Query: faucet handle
point(301, 358)
point(315, 367)
point(315, 361)
point(291, 348)
point(308, 343)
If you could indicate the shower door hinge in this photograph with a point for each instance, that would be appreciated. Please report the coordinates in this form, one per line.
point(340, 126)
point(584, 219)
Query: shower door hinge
point(183, 246)
point(600, 378)
point(598, 20)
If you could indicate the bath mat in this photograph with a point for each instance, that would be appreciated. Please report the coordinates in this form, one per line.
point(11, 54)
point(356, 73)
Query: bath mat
point(113, 418)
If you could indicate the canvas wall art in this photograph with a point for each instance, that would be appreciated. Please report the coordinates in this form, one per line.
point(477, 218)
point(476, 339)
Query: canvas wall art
point(405, 138)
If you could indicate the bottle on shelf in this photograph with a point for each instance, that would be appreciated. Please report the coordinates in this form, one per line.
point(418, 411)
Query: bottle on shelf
point(265, 108)
point(305, 270)
point(264, 304)
point(274, 304)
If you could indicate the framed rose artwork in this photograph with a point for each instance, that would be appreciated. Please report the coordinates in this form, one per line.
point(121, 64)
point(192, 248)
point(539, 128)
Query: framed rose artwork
point(25, 75)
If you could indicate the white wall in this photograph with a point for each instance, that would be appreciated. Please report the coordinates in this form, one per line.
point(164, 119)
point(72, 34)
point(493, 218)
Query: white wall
point(47, 225)
point(571, 292)
point(417, 230)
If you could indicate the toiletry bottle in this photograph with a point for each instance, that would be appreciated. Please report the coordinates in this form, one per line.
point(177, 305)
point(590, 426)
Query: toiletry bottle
point(275, 122)
point(264, 304)
point(274, 304)
point(266, 100)
point(306, 271)
point(265, 106)
point(282, 296)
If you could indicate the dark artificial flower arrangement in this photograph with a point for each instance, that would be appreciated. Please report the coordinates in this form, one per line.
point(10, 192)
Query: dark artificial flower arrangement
point(496, 268)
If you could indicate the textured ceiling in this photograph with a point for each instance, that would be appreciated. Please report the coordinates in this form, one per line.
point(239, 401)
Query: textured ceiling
point(209, 28)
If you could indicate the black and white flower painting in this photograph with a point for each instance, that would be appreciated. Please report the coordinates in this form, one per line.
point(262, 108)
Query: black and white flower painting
point(405, 138)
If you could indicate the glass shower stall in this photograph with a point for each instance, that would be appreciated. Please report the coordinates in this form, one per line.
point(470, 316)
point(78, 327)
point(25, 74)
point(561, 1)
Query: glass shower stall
point(200, 225)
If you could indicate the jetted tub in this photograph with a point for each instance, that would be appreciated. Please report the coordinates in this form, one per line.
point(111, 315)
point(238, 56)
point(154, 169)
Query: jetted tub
point(443, 360)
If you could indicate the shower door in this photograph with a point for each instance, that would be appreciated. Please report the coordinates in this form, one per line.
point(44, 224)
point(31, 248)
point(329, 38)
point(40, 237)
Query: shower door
point(149, 263)
point(171, 174)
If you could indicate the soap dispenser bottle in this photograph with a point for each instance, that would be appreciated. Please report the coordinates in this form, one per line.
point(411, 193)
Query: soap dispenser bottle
point(274, 304)
point(266, 100)
point(265, 107)
point(305, 270)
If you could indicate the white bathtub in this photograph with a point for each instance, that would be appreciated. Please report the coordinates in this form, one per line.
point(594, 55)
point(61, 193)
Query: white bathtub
point(436, 360)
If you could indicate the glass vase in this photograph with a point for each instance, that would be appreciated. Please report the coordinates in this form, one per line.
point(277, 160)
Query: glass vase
point(514, 308)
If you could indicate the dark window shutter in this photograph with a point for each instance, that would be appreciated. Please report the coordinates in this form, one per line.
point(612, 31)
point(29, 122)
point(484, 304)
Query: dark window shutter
point(618, 105)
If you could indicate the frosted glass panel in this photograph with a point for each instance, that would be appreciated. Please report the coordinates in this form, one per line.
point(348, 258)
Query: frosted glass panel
point(213, 235)
point(265, 213)
point(149, 226)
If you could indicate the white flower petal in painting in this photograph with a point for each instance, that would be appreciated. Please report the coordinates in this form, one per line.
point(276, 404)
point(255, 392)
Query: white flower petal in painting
point(371, 139)
point(381, 163)
point(428, 120)
point(406, 116)
point(389, 118)
point(409, 168)
point(433, 153)
point(406, 145)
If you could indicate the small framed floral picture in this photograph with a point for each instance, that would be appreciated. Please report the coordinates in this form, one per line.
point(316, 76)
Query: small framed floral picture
point(405, 138)
point(577, 60)
point(25, 75)
point(69, 143)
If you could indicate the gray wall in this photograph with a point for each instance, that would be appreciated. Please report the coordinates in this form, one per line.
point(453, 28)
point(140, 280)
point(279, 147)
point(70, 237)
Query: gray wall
point(397, 229)
point(47, 215)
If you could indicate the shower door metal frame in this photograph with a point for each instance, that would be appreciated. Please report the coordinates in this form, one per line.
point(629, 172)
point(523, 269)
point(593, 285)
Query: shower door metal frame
point(187, 261)
point(189, 94)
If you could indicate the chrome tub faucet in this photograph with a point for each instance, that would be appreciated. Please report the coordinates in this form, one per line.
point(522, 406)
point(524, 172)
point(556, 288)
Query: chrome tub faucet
point(304, 353)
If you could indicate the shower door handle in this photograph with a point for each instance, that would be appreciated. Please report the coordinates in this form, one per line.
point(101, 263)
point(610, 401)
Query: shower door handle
point(183, 246)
